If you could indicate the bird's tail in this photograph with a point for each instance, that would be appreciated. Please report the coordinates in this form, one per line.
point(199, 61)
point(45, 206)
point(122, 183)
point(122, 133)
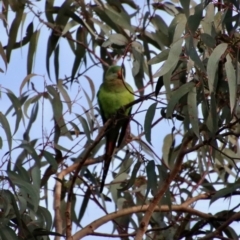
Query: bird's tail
point(110, 146)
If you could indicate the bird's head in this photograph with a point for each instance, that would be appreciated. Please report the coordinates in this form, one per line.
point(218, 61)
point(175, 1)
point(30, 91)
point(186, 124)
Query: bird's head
point(114, 73)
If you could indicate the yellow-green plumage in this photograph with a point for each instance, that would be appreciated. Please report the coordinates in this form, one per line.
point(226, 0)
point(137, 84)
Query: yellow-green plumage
point(113, 94)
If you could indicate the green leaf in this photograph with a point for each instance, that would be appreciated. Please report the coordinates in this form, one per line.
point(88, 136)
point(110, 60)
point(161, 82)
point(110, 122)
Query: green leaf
point(162, 56)
point(138, 65)
point(195, 19)
point(190, 47)
point(18, 109)
point(51, 45)
point(177, 95)
point(80, 52)
point(30, 101)
point(61, 148)
point(65, 95)
point(193, 110)
point(36, 176)
point(180, 27)
point(85, 126)
point(212, 65)
point(148, 121)
point(6, 127)
point(225, 192)
point(68, 26)
point(123, 20)
point(162, 29)
point(33, 193)
point(172, 59)
point(159, 85)
point(46, 216)
point(232, 81)
point(7, 233)
point(32, 51)
point(92, 86)
point(30, 150)
point(118, 39)
point(50, 159)
point(208, 40)
point(173, 26)
point(56, 62)
point(48, 10)
point(26, 80)
point(57, 111)
point(185, 4)
point(3, 55)
point(151, 178)
point(132, 179)
point(230, 232)
point(166, 148)
point(61, 21)
point(14, 31)
point(84, 204)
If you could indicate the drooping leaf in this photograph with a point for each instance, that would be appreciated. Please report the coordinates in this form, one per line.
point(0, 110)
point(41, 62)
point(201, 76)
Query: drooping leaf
point(148, 121)
point(7, 233)
point(118, 39)
point(13, 31)
point(193, 110)
point(232, 82)
point(225, 192)
point(172, 59)
point(7, 129)
point(32, 51)
point(84, 204)
point(65, 95)
point(185, 4)
point(195, 19)
point(26, 80)
point(17, 107)
point(162, 56)
point(80, 51)
point(85, 126)
point(132, 179)
point(151, 178)
point(192, 52)
point(33, 193)
point(178, 94)
point(208, 40)
point(159, 85)
point(213, 64)
point(3, 55)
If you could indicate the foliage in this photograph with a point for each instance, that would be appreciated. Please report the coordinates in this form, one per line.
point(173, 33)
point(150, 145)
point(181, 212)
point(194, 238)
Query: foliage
point(186, 74)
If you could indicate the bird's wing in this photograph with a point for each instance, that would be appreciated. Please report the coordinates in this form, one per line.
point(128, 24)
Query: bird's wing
point(100, 104)
point(125, 119)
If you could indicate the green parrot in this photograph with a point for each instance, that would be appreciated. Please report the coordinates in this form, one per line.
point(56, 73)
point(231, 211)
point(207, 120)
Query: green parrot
point(113, 94)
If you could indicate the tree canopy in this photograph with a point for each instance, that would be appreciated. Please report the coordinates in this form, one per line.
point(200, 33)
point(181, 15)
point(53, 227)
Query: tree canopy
point(176, 176)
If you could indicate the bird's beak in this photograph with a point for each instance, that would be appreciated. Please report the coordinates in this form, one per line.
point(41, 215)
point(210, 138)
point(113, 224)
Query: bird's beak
point(119, 74)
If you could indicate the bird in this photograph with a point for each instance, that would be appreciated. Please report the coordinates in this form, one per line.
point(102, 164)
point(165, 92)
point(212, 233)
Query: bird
point(113, 94)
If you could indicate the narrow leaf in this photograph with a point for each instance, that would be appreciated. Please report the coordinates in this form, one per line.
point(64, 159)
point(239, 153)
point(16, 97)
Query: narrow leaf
point(65, 95)
point(25, 80)
point(184, 89)
point(213, 64)
point(151, 178)
point(148, 121)
point(232, 82)
point(172, 59)
point(193, 110)
point(6, 127)
point(118, 39)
